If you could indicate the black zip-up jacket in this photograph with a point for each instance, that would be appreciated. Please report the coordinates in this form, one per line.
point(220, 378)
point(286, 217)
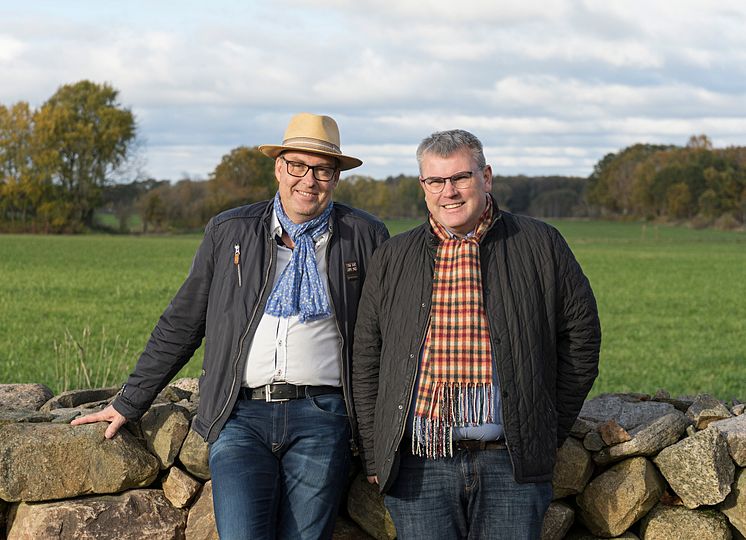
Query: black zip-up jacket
point(213, 303)
point(543, 324)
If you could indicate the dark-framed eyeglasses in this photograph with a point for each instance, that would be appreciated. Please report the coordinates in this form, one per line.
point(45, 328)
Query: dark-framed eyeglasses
point(322, 173)
point(460, 180)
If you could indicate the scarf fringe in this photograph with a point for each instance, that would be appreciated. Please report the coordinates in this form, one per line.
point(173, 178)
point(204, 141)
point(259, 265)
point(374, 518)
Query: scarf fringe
point(453, 405)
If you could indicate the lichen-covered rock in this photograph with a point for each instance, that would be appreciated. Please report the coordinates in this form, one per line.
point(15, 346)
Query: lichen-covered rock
point(165, 427)
point(195, 455)
point(620, 496)
point(76, 398)
point(365, 507)
point(572, 470)
point(138, 515)
point(677, 522)
point(557, 521)
point(15, 416)
point(28, 397)
point(705, 410)
point(581, 427)
point(54, 461)
point(734, 506)
point(647, 440)
point(593, 441)
point(201, 520)
point(698, 468)
point(179, 488)
point(734, 430)
point(627, 411)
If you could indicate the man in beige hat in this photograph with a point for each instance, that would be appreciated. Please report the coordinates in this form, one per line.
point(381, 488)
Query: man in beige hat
point(273, 289)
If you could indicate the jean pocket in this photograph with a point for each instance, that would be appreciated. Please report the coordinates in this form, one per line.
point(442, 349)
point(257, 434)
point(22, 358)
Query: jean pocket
point(330, 404)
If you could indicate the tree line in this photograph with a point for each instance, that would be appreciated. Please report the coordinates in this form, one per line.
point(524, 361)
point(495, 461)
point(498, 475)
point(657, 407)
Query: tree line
point(62, 166)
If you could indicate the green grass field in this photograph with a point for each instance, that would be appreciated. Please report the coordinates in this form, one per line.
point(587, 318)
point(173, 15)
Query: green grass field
point(77, 310)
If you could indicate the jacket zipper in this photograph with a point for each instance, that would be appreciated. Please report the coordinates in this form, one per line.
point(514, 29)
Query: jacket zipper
point(237, 261)
point(240, 344)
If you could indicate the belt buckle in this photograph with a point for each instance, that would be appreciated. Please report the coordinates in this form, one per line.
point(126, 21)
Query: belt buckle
point(268, 395)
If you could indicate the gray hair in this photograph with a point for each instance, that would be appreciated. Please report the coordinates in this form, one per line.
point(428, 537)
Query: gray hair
point(446, 143)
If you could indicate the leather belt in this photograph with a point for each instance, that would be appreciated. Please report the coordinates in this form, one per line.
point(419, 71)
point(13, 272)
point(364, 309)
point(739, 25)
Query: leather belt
point(468, 444)
point(286, 391)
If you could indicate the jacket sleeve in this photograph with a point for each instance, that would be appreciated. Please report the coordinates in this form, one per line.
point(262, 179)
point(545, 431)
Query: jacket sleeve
point(578, 338)
point(174, 339)
point(366, 359)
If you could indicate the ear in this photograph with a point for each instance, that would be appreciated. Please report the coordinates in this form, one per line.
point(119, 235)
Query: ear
point(487, 179)
point(278, 168)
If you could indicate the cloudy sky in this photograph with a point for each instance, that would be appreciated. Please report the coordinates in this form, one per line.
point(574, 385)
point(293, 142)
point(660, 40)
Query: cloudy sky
point(550, 86)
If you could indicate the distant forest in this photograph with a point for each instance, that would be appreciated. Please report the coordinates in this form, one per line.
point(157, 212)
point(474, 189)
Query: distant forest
point(63, 168)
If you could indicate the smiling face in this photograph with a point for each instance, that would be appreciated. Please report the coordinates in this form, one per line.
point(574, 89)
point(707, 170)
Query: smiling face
point(304, 198)
point(456, 209)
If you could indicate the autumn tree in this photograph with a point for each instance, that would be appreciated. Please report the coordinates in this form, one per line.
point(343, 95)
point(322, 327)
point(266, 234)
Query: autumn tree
point(90, 136)
point(243, 176)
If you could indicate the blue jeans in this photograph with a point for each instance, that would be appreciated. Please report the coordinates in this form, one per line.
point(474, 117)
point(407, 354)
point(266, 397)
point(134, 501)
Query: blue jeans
point(471, 495)
point(279, 469)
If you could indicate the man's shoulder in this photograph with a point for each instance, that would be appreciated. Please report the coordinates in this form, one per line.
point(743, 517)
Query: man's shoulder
point(404, 242)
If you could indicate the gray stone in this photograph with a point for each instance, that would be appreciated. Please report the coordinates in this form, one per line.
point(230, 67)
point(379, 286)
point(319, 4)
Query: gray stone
point(676, 522)
point(698, 468)
point(738, 409)
point(54, 461)
point(557, 521)
point(734, 506)
point(707, 409)
point(618, 497)
point(139, 515)
point(76, 398)
point(647, 440)
point(626, 410)
point(581, 427)
point(179, 488)
point(593, 441)
point(572, 470)
point(365, 507)
point(172, 394)
point(734, 430)
point(15, 416)
point(65, 415)
point(29, 397)
point(201, 520)
point(682, 403)
point(194, 455)
point(165, 427)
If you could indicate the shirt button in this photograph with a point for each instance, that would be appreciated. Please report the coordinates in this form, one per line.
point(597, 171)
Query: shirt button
point(280, 343)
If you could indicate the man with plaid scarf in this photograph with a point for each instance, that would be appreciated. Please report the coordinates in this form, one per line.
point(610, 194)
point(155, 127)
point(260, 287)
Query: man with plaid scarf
point(476, 342)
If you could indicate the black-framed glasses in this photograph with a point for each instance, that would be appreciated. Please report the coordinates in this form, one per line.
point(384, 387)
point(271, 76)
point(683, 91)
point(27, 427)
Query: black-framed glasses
point(460, 180)
point(322, 173)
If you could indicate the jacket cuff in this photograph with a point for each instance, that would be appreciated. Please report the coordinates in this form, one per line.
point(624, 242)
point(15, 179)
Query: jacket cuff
point(131, 402)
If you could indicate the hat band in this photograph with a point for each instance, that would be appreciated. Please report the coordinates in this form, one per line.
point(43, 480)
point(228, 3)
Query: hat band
point(315, 144)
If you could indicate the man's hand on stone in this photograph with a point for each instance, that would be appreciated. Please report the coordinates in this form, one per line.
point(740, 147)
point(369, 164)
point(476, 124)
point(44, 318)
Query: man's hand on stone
point(109, 414)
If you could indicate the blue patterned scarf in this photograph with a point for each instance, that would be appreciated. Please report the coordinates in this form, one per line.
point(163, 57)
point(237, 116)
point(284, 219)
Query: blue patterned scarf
point(299, 291)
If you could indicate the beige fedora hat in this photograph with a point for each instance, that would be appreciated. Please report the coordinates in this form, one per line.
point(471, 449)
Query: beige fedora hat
point(312, 133)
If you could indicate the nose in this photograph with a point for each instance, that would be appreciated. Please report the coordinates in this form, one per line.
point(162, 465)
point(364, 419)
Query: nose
point(449, 190)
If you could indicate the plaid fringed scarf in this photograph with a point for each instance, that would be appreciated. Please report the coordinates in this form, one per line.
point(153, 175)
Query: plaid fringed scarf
point(455, 383)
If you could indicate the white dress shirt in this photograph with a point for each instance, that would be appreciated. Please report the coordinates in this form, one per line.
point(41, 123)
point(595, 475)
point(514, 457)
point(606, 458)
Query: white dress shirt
point(284, 349)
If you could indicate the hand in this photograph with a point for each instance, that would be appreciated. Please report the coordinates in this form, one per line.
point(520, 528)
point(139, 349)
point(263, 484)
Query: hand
point(109, 414)
point(373, 479)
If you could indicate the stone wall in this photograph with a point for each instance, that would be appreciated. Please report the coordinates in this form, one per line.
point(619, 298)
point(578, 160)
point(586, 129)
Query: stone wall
point(635, 466)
